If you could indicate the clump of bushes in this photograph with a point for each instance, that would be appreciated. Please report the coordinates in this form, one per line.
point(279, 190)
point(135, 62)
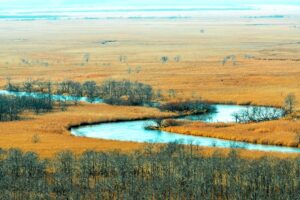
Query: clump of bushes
point(162, 123)
point(126, 93)
point(9, 108)
point(188, 107)
point(12, 106)
point(171, 122)
point(258, 114)
point(30, 86)
point(35, 139)
point(290, 103)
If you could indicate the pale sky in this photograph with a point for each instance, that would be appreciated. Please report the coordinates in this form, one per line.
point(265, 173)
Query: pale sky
point(66, 3)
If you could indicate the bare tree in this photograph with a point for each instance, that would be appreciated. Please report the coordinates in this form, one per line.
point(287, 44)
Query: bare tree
point(257, 114)
point(129, 70)
point(10, 86)
point(86, 58)
point(138, 69)
point(231, 58)
point(290, 102)
point(90, 90)
point(158, 94)
point(172, 93)
point(164, 59)
point(28, 86)
point(123, 59)
point(177, 58)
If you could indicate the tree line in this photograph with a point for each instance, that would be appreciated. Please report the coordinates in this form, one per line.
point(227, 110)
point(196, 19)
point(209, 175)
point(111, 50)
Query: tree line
point(173, 172)
point(41, 97)
point(126, 93)
point(111, 91)
point(11, 107)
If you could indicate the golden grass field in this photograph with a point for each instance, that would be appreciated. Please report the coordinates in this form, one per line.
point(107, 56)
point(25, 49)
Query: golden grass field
point(52, 129)
point(63, 44)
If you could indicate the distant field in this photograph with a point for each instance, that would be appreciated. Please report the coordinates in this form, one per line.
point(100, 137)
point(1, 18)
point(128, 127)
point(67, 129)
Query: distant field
point(266, 68)
point(58, 50)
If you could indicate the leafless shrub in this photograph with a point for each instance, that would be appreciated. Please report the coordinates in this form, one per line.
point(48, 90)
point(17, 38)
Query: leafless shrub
point(290, 102)
point(86, 57)
point(188, 107)
point(227, 59)
point(36, 139)
point(170, 122)
point(177, 58)
point(138, 69)
point(170, 172)
point(258, 114)
point(123, 59)
point(172, 93)
point(164, 59)
point(248, 56)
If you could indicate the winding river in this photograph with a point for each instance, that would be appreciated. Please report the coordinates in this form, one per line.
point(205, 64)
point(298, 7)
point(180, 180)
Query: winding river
point(134, 131)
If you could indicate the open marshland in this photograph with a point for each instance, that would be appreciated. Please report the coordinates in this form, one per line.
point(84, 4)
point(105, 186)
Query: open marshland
point(161, 102)
point(232, 57)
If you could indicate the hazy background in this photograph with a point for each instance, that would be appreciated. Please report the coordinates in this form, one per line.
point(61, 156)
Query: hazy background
point(20, 4)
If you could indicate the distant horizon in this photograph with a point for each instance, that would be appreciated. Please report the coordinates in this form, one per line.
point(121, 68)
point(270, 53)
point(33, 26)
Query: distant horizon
point(145, 7)
point(131, 9)
point(174, 11)
point(42, 4)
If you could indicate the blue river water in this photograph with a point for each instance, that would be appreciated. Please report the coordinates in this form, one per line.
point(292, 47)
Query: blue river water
point(134, 131)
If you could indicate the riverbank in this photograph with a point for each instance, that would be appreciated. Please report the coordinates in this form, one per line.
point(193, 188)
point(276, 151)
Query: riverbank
point(53, 134)
point(142, 131)
point(281, 132)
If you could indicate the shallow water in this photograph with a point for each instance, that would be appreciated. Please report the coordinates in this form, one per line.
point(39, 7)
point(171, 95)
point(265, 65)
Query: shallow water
point(134, 131)
point(223, 114)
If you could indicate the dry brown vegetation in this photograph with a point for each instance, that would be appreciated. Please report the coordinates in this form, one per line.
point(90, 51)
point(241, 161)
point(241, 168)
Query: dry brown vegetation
point(171, 172)
point(280, 132)
point(52, 129)
point(53, 136)
point(199, 73)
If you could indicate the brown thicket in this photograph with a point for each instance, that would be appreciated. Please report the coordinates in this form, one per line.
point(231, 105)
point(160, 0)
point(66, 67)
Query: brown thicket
point(173, 172)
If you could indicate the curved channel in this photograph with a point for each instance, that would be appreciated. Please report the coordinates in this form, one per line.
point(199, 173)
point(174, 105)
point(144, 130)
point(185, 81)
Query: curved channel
point(134, 131)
